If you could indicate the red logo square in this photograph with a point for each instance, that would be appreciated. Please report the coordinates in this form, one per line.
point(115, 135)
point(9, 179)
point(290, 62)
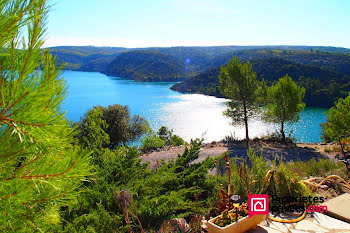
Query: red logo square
point(258, 204)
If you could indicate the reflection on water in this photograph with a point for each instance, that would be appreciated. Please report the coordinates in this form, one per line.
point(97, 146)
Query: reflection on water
point(193, 115)
point(190, 115)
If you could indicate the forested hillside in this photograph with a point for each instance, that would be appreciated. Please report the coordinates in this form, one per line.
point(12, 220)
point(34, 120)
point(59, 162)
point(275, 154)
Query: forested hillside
point(334, 61)
point(86, 58)
point(146, 65)
point(323, 86)
point(196, 59)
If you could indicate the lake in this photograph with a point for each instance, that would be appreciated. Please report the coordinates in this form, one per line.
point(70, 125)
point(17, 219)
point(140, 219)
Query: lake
point(189, 115)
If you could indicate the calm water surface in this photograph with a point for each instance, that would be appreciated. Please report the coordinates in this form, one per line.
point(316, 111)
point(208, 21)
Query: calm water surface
point(190, 115)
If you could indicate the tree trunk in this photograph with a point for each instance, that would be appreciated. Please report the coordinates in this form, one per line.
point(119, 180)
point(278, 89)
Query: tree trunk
point(282, 132)
point(246, 124)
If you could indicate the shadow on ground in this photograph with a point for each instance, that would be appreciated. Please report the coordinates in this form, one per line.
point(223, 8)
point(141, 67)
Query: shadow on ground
point(286, 152)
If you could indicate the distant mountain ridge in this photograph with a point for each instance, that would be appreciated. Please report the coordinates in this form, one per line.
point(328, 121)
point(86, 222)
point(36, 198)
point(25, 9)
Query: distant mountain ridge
point(195, 58)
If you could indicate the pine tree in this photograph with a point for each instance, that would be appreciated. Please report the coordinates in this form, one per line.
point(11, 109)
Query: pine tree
point(39, 166)
point(239, 83)
point(285, 102)
point(337, 125)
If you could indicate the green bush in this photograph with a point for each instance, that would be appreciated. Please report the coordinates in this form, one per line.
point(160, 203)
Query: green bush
point(248, 177)
point(178, 188)
point(337, 125)
point(314, 167)
point(120, 127)
point(164, 133)
point(169, 138)
point(98, 219)
point(151, 141)
point(96, 209)
point(176, 140)
point(286, 182)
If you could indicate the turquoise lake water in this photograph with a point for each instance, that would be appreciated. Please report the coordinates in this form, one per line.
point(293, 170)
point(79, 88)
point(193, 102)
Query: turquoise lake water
point(189, 115)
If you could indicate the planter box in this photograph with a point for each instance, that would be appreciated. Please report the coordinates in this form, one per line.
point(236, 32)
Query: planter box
point(242, 225)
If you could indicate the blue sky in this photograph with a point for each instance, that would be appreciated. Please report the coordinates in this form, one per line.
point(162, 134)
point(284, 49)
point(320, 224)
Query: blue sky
point(147, 23)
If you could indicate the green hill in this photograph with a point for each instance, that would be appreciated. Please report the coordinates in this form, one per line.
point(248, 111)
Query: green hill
point(146, 65)
point(86, 58)
point(334, 61)
point(195, 58)
point(323, 86)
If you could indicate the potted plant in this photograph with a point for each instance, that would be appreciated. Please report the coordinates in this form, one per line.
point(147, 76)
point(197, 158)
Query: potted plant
point(235, 221)
point(234, 213)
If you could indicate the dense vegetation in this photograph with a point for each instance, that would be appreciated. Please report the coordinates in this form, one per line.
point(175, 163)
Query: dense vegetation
point(120, 127)
point(338, 62)
point(86, 58)
point(89, 58)
point(40, 166)
point(323, 86)
point(124, 194)
point(206, 82)
point(163, 137)
point(145, 65)
point(337, 125)
point(177, 188)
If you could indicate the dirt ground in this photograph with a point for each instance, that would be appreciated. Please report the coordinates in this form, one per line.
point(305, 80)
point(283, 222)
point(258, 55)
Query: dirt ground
point(270, 151)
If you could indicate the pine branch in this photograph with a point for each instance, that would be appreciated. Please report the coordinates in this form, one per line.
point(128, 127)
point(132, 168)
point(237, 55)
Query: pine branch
point(8, 108)
point(47, 199)
point(9, 196)
point(27, 164)
point(11, 154)
point(32, 43)
point(48, 176)
point(11, 121)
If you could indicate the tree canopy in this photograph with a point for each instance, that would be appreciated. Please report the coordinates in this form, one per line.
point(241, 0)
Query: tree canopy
point(285, 102)
point(116, 122)
point(39, 166)
point(238, 83)
point(92, 130)
point(337, 124)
